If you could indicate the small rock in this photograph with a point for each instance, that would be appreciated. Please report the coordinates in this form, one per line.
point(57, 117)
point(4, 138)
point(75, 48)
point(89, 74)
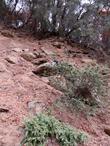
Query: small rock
point(31, 104)
point(18, 50)
point(47, 52)
point(35, 107)
point(57, 44)
point(39, 61)
point(107, 131)
point(4, 110)
point(7, 34)
point(39, 54)
point(52, 142)
point(2, 67)
point(25, 50)
point(12, 59)
point(88, 61)
point(28, 56)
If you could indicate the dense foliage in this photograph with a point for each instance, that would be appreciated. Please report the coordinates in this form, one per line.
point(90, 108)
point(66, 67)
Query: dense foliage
point(2, 9)
point(80, 21)
point(81, 87)
point(42, 127)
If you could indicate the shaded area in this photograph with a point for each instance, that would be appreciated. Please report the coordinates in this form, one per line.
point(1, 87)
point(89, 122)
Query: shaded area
point(55, 18)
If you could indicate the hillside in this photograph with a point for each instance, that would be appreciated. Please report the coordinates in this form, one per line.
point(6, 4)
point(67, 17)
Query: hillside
point(24, 94)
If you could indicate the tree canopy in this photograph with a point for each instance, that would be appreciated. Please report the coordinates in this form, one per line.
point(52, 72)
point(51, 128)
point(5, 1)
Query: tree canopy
point(83, 22)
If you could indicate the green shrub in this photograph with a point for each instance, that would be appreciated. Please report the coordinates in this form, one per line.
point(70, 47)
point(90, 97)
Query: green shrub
point(80, 86)
point(42, 127)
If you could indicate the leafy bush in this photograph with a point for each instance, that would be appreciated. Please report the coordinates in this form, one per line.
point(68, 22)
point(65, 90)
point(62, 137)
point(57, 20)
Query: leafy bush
point(79, 85)
point(41, 127)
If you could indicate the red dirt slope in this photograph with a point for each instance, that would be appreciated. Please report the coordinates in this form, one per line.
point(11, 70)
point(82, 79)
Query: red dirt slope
point(23, 93)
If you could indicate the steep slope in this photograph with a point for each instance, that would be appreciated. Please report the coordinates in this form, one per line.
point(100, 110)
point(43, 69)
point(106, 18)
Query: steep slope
point(23, 94)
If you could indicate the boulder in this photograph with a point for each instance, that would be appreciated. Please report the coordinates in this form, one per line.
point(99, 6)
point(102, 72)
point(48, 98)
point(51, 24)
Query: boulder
point(46, 69)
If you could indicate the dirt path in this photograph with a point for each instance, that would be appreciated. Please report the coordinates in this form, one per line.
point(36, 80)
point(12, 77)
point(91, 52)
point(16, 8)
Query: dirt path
point(22, 93)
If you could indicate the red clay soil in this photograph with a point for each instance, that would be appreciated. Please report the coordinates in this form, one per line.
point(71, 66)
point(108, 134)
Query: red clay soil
point(20, 89)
